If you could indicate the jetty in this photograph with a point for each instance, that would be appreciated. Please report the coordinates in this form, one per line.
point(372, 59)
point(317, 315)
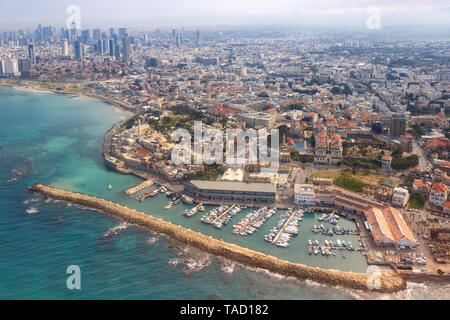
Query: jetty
point(139, 187)
point(284, 227)
point(387, 280)
point(223, 214)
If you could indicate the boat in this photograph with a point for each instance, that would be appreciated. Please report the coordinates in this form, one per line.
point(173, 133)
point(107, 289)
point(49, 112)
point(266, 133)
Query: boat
point(171, 204)
point(109, 187)
point(310, 250)
point(187, 199)
point(282, 243)
point(193, 211)
point(310, 242)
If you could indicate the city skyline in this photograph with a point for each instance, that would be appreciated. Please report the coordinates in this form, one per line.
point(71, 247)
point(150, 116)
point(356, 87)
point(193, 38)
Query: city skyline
point(141, 14)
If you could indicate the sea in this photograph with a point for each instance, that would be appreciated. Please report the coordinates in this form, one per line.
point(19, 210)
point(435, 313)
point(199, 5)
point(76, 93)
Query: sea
point(56, 139)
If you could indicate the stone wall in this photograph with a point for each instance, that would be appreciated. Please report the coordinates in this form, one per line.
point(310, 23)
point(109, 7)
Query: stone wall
point(389, 281)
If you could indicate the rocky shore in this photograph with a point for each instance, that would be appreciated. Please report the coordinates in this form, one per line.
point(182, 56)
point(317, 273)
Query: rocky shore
point(386, 281)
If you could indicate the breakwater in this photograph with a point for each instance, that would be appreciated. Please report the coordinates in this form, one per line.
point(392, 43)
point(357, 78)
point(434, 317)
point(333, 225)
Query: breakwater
point(387, 280)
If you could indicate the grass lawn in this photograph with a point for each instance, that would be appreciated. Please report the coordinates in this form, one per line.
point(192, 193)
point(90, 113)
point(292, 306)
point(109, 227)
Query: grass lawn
point(365, 177)
point(349, 183)
point(415, 203)
point(357, 181)
point(333, 174)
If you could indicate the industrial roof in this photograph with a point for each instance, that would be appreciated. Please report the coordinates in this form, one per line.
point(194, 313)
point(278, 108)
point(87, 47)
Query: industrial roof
point(234, 186)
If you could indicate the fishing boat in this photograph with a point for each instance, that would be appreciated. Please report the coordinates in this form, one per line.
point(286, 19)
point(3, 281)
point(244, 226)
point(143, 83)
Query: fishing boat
point(310, 242)
point(171, 204)
point(310, 250)
point(193, 211)
point(187, 199)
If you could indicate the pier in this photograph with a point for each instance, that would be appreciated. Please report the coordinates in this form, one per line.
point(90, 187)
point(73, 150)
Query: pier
point(284, 227)
point(389, 280)
point(223, 214)
point(139, 187)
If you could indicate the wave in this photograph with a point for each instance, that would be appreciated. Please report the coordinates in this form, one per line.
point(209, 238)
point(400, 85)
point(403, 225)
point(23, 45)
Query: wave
point(31, 200)
point(174, 261)
point(196, 264)
point(152, 240)
point(32, 210)
point(227, 266)
point(115, 230)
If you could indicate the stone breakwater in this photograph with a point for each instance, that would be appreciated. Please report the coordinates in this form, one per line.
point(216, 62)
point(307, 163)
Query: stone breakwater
point(385, 280)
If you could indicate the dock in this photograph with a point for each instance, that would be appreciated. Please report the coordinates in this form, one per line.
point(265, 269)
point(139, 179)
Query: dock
point(139, 187)
point(284, 226)
point(224, 213)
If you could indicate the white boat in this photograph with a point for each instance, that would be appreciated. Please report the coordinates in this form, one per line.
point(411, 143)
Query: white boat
point(187, 199)
point(109, 187)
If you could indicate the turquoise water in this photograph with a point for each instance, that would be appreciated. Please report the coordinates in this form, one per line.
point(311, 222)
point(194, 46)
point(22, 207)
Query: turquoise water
point(56, 140)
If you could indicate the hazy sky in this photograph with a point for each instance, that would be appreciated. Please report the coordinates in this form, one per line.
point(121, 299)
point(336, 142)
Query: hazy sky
point(150, 13)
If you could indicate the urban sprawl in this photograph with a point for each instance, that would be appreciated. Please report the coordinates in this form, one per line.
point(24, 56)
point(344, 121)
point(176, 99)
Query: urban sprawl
point(363, 126)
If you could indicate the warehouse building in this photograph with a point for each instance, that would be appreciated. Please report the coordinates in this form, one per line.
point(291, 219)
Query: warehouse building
point(225, 191)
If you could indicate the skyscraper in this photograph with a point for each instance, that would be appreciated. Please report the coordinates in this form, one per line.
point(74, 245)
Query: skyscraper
point(99, 47)
point(398, 125)
point(122, 32)
point(78, 48)
point(65, 48)
point(112, 48)
point(31, 53)
point(96, 34)
point(85, 36)
point(198, 37)
point(125, 49)
point(117, 52)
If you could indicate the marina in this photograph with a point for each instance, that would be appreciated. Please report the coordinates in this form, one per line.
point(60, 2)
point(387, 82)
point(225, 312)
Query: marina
point(286, 227)
point(218, 217)
point(253, 221)
point(330, 248)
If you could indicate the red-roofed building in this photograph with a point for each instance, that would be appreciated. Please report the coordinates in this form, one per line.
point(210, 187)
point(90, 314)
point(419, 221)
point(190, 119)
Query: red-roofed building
point(420, 187)
point(438, 194)
point(445, 166)
point(447, 207)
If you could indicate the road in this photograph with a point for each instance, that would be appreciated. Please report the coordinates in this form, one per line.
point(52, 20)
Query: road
point(423, 160)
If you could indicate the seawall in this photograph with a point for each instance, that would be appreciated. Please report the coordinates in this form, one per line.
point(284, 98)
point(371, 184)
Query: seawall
point(388, 280)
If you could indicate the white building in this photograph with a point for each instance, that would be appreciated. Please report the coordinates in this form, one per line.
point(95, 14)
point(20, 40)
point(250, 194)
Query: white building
point(304, 194)
point(438, 194)
point(11, 67)
point(386, 163)
point(400, 197)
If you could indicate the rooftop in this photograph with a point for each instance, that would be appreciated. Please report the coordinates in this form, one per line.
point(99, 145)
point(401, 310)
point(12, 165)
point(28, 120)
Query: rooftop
point(234, 186)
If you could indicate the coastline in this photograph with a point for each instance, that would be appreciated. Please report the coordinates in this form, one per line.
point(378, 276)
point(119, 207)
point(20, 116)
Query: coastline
point(84, 95)
point(389, 281)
